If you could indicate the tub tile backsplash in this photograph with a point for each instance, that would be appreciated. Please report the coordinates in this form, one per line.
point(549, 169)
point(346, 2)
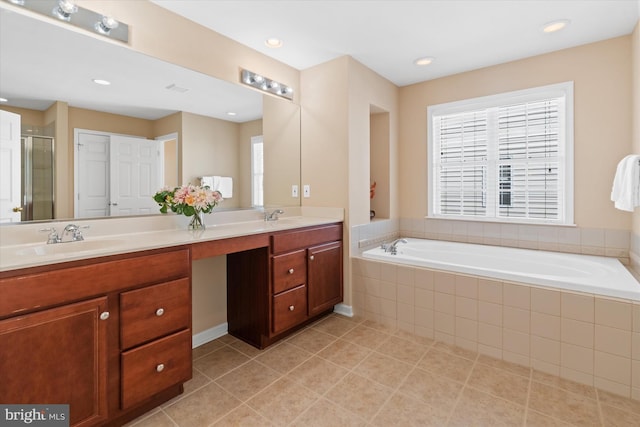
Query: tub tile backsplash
point(580, 240)
point(578, 336)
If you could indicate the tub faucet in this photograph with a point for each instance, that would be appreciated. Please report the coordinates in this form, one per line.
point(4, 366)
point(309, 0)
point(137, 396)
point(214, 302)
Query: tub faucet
point(273, 216)
point(392, 247)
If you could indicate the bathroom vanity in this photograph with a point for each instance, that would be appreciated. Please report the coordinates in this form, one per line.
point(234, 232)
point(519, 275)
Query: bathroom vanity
point(111, 335)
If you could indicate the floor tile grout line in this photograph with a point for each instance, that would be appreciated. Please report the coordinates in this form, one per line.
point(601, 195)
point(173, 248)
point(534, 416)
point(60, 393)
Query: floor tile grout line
point(460, 393)
point(400, 383)
point(526, 402)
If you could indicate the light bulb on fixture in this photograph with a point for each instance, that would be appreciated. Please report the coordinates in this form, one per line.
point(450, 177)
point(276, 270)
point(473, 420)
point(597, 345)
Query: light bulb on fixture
point(266, 85)
point(64, 10)
point(106, 24)
point(17, 2)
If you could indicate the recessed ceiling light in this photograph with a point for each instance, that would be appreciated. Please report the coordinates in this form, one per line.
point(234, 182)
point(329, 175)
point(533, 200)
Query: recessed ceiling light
point(273, 42)
point(230, 113)
point(102, 82)
point(424, 61)
point(554, 26)
point(4, 100)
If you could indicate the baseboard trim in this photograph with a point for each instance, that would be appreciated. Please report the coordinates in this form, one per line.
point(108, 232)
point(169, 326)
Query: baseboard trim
point(209, 335)
point(343, 309)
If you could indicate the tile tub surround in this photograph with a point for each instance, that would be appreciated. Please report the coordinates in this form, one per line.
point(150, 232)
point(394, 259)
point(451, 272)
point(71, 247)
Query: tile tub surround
point(579, 240)
point(581, 337)
point(352, 372)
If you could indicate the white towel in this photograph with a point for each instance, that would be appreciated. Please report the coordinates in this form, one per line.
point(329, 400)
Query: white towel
point(626, 184)
point(223, 184)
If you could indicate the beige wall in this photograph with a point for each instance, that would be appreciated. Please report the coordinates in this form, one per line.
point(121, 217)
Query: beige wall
point(210, 147)
point(379, 164)
point(336, 114)
point(601, 73)
point(281, 131)
point(247, 130)
point(27, 117)
point(635, 83)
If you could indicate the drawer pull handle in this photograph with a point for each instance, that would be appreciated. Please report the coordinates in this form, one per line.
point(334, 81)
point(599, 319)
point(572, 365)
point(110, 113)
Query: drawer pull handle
point(160, 367)
point(311, 257)
point(160, 312)
point(291, 271)
point(291, 308)
point(104, 315)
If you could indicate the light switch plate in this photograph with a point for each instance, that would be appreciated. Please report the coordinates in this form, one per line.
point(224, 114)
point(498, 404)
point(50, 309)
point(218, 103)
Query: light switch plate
point(294, 190)
point(306, 190)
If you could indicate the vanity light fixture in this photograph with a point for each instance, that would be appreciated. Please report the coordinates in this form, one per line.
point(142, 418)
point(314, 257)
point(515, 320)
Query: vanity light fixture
point(266, 85)
point(106, 24)
point(102, 82)
point(424, 60)
point(80, 17)
point(64, 9)
point(4, 100)
point(273, 42)
point(555, 26)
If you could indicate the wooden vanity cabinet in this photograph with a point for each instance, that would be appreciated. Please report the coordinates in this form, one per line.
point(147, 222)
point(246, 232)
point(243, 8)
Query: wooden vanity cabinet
point(304, 281)
point(58, 355)
point(109, 336)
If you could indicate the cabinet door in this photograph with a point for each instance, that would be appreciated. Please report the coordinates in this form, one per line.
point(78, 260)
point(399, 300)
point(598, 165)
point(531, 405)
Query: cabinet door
point(324, 277)
point(57, 356)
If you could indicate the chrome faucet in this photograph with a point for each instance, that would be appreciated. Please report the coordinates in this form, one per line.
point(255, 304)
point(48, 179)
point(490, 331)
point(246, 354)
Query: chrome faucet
point(392, 247)
point(76, 234)
point(53, 236)
point(273, 216)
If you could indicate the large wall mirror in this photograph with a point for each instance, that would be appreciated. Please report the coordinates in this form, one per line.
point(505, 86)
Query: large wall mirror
point(203, 126)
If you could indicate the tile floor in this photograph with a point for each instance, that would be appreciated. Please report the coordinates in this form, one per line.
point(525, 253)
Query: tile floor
point(351, 372)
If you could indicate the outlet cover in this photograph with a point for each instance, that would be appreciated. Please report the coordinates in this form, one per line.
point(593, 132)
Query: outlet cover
point(306, 190)
point(294, 190)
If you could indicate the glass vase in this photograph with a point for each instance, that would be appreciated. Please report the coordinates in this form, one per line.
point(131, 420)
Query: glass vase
point(197, 221)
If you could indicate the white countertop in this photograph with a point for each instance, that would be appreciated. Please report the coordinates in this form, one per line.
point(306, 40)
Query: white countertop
point(102, 242)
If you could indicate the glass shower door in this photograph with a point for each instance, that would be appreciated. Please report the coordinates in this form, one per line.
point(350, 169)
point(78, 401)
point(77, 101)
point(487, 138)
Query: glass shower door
point(37, 177)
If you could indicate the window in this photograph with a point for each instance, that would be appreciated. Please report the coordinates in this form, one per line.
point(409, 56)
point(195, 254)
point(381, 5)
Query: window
point(506, 157)
point(257, 171)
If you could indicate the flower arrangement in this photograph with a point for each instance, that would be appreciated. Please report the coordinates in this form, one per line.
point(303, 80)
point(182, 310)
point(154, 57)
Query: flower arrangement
point(188, 200)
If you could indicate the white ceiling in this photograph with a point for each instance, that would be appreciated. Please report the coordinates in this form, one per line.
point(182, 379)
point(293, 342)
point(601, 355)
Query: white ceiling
point(41, 61)
point(387, 36)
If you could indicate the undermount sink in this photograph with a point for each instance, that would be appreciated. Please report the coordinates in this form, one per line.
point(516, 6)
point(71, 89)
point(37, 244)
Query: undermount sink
point(68, 247)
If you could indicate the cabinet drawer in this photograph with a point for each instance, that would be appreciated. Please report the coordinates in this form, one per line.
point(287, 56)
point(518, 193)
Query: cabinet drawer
point(289, 270)
point(292, 240)
point(153, 367)
point(289, 308)
point(154, 311)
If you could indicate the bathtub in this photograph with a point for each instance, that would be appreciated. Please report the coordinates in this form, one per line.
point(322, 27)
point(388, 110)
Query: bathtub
point(582, 273)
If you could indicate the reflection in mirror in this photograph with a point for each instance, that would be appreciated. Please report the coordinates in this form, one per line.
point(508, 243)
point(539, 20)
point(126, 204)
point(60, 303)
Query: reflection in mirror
point(187, 114)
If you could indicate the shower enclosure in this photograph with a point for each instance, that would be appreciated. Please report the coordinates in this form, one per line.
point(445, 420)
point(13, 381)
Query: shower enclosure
point(37, 177)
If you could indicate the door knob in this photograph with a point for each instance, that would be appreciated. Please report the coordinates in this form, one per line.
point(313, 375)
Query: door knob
point(17, 209)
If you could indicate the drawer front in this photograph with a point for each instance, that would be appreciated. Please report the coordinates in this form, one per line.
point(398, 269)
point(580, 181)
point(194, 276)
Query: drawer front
point(289, 270)
point(153, 367)
point(292, 240)
point(62, 284)
point(154, 311)
point(289, 308)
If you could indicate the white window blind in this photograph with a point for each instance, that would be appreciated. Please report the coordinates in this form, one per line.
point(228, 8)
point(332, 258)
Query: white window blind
point(503, 158)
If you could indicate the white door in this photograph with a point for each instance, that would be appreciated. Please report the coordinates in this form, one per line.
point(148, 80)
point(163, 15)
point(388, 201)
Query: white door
point(134, 175)
point(92, 178)
point(10, 152)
